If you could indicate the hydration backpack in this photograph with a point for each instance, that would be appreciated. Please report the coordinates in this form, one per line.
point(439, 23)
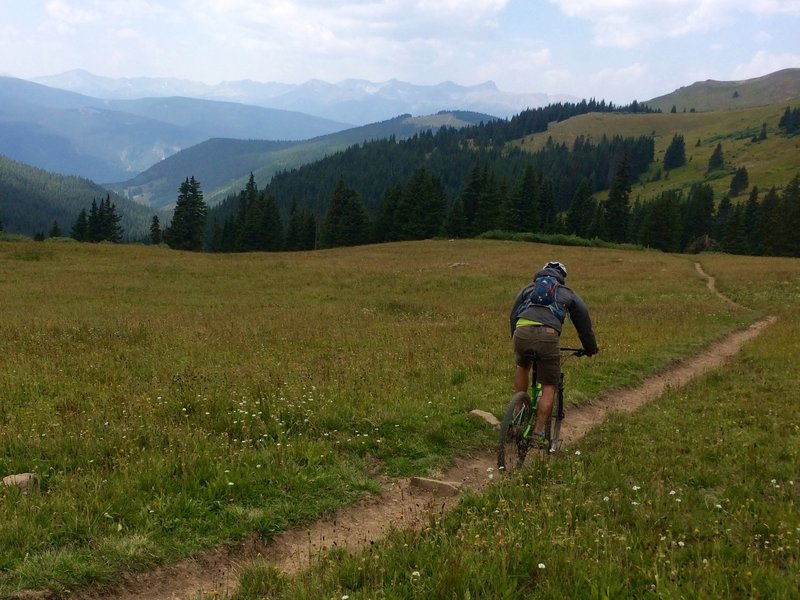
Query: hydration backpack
point(543, 293)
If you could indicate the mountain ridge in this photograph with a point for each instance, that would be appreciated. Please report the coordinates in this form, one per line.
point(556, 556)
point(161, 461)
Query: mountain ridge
point(111, 140)
point(355, 101)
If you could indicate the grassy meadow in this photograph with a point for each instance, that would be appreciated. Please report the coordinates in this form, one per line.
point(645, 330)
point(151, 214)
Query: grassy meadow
point(171, 401)
point(693, 496)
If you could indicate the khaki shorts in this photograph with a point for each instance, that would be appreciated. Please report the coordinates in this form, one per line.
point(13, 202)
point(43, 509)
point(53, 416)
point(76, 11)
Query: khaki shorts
point(544, 341)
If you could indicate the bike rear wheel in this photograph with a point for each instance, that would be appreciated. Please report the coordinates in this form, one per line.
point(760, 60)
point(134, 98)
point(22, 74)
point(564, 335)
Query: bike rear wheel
point(514, 431)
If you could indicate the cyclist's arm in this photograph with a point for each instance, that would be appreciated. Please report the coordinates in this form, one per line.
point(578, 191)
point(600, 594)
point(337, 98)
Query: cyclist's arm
point(579, 315)
point(517, 302)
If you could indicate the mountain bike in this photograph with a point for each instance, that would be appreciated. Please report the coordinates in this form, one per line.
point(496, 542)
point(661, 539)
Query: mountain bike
point(516, 428)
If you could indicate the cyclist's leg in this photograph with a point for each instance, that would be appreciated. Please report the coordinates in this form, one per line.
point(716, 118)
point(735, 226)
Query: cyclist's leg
point(522, 379)
point(521, 342)
point(548, 373)
point(544, 408)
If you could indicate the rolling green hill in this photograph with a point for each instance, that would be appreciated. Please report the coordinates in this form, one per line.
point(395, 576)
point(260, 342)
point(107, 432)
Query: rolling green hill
point(771, 162)
point(775, 88)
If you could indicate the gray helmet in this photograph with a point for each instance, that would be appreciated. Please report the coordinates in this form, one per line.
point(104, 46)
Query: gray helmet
point(554, 264)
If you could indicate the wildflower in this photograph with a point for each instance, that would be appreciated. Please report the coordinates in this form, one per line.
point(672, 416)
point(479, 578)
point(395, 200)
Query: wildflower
point(541, 565)
point(636, 488)
point(672, 492)
point(605, 499)
point(577, 452)
point(415, 573)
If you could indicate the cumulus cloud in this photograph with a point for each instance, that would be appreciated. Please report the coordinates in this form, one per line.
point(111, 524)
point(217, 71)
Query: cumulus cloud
point(629, 23)
point(765, 62)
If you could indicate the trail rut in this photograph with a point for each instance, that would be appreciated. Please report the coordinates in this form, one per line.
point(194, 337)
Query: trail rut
point(400, 504)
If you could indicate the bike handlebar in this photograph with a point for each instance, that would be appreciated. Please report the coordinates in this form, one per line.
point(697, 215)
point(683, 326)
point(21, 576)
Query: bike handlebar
point(575, 351)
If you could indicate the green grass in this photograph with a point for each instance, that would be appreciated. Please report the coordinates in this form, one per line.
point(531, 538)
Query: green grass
point(171, 401)
point(693, 496)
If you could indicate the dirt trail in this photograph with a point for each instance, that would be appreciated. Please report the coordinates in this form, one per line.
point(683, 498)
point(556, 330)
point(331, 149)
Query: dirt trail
point(402, 503)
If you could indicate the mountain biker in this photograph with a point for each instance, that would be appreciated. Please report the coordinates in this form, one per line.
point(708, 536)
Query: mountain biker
point(537, 329)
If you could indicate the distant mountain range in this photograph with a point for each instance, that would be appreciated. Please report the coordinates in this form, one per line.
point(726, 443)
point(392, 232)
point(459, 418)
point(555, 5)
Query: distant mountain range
point(353, 101)
point(113, 140)
point(110, 130)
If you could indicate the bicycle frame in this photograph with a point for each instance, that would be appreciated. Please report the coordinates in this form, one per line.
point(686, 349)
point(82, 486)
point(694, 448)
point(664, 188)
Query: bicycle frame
point(520, 416)
point(553, 427)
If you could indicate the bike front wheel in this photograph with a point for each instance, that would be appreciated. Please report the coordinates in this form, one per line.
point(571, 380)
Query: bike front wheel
point(514, 431)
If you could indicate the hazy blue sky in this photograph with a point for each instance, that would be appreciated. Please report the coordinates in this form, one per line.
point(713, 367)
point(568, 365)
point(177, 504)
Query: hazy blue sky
point(618, 50)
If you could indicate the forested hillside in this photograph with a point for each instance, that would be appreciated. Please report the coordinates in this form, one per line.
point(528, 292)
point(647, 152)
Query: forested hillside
point(227, 162)
point(32, 200)
point(470, 182)
point(459, 183)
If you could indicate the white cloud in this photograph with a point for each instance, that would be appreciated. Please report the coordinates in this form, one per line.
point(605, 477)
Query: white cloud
point(765, 62)
point(630, 23)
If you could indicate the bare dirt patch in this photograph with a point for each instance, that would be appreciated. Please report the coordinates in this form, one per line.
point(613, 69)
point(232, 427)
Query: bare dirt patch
point(401, 504)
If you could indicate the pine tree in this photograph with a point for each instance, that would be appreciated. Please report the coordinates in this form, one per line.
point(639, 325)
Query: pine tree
point(249, 218)
point(698, 215)
point(717, 160)
point(271, 225)
point(790, 224)
point(751, 222)
point(94, 233)
point(155, 231)
point(617, 206)
point(420, 209)
point(527, 194)
point(675, 156)
point(108, 222)
point(661, 227)
point(739, 181)
point(790, 121)
point(581, 211)
point(724, 211)
point(387, 228)
point(769, 224)
point(346, 220)
point(456, 224)
point(734, 238)
point(80, 229)
point(55, 230)
point(547, 206)
point(309, 230)
point(187, 229)
point(471, 197)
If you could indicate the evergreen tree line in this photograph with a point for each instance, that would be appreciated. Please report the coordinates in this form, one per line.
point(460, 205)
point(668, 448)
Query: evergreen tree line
point(419, 208)
point(790, 121)
point(678, 222)
point(100, 224)
point(32, 200)
point(373, 169)
point(536, 120)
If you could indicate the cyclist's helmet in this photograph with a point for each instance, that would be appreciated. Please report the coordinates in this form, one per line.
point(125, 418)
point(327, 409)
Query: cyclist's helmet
point(557, 266)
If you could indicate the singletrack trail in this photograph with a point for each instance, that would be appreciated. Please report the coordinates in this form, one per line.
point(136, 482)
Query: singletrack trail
point(402, 503)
